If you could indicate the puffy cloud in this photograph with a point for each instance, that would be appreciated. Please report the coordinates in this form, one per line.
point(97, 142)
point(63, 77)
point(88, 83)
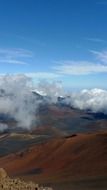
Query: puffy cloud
point(18, 101)
point(94, 100)
point(51, 89)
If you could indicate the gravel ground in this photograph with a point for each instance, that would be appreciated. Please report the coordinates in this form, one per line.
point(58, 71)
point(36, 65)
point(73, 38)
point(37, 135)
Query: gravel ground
point(6, 183)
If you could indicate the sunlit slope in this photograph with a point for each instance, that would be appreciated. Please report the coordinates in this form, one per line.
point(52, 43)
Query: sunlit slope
point(65, 158)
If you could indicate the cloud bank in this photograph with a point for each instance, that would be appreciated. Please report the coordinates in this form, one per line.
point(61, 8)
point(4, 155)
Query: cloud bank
point(94, 100)
point(18, 100)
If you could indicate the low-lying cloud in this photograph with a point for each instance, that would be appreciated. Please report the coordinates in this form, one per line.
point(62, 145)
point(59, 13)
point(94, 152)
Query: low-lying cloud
point(18, 99)
point(94, 100)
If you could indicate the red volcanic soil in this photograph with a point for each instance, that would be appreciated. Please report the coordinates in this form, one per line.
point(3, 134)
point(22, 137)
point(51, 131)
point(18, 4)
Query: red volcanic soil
point(63, 111)
point(64, 159)
point(48, 130)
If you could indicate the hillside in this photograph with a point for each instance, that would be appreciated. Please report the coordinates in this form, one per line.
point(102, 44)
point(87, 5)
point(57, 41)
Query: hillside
point(78, 156)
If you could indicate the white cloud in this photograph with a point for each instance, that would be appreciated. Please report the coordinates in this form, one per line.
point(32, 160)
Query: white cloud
point(15, 52)
point(97, 40)
point(14, 56)
point(84, 67)
point(94, 99)
point(18, 101)
point(36, 75)
point(12, 61)
point(52, 89)
point(79, 68)
point(42, 75)
point(101, 56)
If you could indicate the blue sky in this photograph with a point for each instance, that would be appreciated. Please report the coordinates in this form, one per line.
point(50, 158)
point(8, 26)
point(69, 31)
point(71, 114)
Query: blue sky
point(62, 40)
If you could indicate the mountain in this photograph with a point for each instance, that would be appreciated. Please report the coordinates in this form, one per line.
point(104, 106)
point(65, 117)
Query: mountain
point(57, 117)
point(62, 160)
point(64, 146)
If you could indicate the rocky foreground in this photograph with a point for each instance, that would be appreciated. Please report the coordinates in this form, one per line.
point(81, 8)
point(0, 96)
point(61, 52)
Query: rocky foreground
point(6, 183)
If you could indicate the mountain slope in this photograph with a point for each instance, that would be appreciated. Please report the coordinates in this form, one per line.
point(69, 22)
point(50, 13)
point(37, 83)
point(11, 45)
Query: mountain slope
point(61, 159)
